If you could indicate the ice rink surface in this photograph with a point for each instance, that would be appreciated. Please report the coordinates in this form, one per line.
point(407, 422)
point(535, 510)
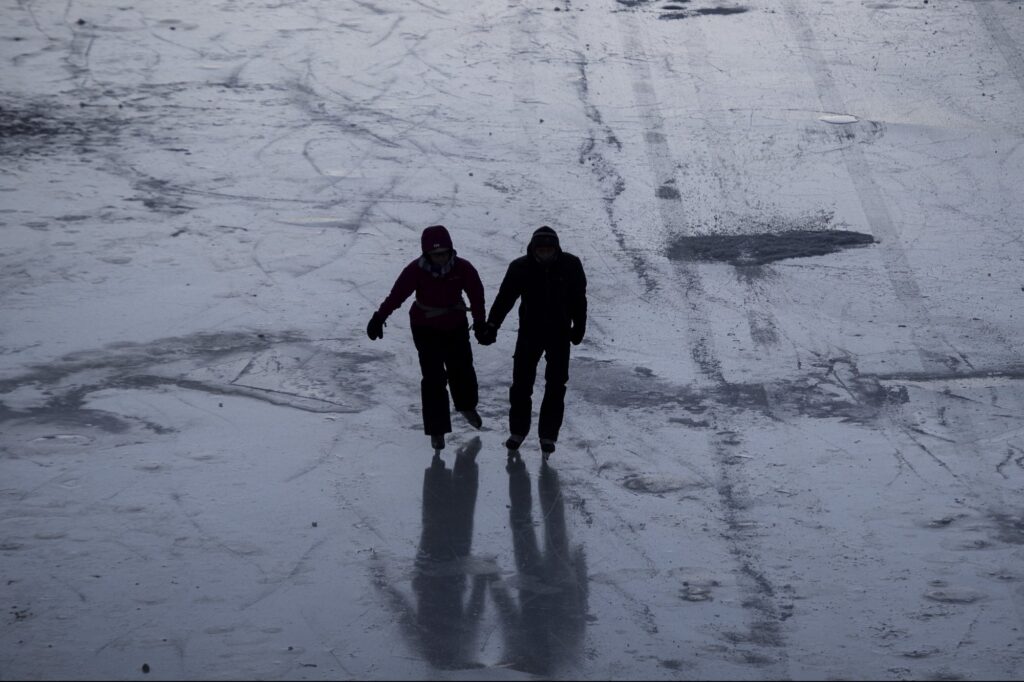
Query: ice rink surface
point(794, 435)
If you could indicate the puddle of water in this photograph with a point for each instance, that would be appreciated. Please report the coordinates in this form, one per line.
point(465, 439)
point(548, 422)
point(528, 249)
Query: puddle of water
point(759, 249)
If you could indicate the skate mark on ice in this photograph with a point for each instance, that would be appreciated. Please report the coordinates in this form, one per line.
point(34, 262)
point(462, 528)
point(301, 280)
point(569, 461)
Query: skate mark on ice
point(1008, 45)
point(1014, 455)
point(45, 127)
point(933, 348)
point(597, 151)
point(835, 388)
point(282, 369)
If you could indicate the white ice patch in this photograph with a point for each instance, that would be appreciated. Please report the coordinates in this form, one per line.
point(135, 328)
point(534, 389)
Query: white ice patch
point(320, 221)
point(954, 596)
point(61, 440)
point(24, 397)
point(838, 118)
point(947, 384)
point(344, 173)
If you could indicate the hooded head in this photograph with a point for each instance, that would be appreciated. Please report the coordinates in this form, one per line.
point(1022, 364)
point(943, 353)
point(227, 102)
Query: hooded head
point(438, 255)
point(435, 237)
point(543, 236)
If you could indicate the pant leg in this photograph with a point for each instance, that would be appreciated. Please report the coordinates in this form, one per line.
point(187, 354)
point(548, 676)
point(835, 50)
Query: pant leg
point(433, 387)
point(461, 374)
point(556, 375)
point(524, 374)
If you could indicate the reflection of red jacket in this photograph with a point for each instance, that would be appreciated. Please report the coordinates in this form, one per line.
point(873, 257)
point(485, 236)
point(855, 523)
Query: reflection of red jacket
point(439, 301)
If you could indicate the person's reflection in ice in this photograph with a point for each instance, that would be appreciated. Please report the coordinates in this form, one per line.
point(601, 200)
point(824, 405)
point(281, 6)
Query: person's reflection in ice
point(442, 624)
point(545, 629)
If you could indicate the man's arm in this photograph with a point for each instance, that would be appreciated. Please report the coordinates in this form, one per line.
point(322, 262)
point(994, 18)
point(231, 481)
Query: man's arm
point(578, 302)
point(508, 292)
point(579, 294)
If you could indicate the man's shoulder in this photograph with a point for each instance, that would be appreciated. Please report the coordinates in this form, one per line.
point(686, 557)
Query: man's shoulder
point(519, 262)
point(571, 259)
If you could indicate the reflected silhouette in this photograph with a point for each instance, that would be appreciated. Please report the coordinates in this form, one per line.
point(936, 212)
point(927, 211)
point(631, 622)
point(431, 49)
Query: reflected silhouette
point(545, 628)
point(442, 625)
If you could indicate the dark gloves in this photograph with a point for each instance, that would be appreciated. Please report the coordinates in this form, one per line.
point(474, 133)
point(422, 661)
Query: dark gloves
point(485, 333)
point(375, 328)
point(576, 332)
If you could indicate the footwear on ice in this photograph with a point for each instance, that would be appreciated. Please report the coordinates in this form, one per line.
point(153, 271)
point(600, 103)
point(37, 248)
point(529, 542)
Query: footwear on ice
point(514, 441)
point(473, 417)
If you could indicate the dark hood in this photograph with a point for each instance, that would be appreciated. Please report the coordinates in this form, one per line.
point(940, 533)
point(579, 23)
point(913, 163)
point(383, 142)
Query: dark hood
point(435, 237)
point(543, 236)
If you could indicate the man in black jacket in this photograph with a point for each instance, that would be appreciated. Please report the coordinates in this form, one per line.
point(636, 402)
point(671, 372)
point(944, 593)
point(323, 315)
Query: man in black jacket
point(552, 289)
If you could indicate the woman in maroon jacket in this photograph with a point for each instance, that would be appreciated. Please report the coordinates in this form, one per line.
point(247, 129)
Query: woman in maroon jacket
point(439, 329)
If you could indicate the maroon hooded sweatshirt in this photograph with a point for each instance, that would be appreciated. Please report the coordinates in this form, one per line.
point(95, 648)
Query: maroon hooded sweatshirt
point(438, 303)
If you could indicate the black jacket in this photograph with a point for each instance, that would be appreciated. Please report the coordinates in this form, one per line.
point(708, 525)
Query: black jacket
point(553, 295)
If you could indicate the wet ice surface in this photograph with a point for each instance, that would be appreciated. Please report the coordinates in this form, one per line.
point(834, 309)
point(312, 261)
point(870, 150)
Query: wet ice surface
point(793, 443)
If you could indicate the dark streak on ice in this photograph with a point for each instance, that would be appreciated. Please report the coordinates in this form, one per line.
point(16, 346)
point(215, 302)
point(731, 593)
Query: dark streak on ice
point(856, 398)
point(759, 249)
point(705, 11)
point(41, 128)
point(677, 10)
point(1010, 528)
point(668, 191)
point(610, 182)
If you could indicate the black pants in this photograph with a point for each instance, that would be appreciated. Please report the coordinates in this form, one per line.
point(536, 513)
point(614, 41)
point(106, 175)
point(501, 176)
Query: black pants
point(529, 349)
point(446, 361)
